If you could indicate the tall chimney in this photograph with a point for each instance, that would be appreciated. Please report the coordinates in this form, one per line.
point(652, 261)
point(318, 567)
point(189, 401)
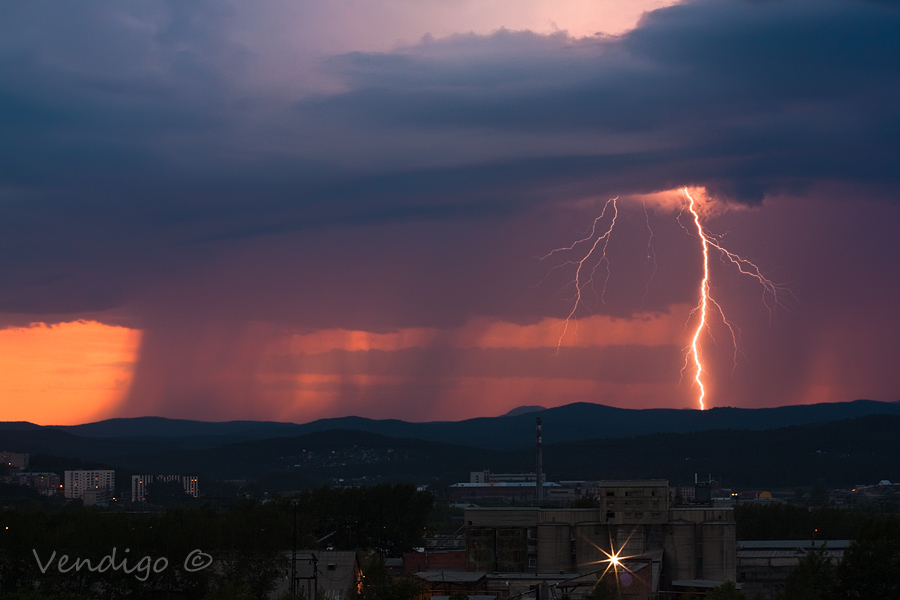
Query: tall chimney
point(539, 484)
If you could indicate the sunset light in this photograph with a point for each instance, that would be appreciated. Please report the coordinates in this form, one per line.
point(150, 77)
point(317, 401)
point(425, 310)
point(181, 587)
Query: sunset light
point(66, 373)
point(565, 294)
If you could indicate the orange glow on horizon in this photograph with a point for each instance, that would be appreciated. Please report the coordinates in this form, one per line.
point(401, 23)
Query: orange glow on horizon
point(67, 373)
point(596, 330)
point(316, 396)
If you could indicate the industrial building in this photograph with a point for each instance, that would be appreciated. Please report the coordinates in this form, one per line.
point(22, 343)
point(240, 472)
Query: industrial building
point(677, 547)
point(511, 491)
point(763, 566)
point(323, 574)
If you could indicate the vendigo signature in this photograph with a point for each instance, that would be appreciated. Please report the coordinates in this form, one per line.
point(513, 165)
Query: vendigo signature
point(196, 560)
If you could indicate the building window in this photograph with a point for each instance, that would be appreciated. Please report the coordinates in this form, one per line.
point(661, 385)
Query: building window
point(655, 515)
point(532, 562)
point(610, 515)
point(610, 494)
point(332, 567)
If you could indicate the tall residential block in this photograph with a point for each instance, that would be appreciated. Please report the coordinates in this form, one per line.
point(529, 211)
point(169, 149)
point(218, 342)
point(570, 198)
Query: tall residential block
point(92, 487)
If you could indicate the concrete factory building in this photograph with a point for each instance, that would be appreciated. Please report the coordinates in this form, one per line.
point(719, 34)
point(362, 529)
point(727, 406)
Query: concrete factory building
point(682, 547)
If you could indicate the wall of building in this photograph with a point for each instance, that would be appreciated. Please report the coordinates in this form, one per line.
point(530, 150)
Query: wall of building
point(700, 543)
point(637, 502)
point(139, 485)
point(90, 486)
point(697, 542)
point(16, 460)
point(763, 566)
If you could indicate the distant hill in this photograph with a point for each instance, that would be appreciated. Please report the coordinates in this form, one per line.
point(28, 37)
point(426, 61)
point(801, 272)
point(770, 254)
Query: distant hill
point(573, 422)
point(18, 425)
point(162, 427)
point(863, 450)
point(836, 453)
point(523, 410)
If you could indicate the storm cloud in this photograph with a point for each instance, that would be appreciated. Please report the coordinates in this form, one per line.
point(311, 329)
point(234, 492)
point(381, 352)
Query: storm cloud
point(197, 168)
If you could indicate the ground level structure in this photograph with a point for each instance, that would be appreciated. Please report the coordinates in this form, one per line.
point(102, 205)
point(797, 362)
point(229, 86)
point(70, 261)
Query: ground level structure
point(634, 524)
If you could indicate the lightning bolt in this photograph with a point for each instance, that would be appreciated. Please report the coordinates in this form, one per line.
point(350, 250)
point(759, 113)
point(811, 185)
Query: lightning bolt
point(745, 267)
point(581, 281)
point(651, 253)
point(596, 243)
point(702, 306)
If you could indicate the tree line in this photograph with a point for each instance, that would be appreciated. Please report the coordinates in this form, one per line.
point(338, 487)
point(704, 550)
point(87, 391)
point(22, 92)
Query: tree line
point(144, 555)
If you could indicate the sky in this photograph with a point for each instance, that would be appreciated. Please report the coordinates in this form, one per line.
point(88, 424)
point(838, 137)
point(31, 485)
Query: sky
point(290, 210)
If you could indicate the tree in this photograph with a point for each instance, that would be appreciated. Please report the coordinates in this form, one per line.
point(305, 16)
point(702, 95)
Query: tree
point(871, 564)
point(726, 591)
point(165, 493)
point(813, 578)
point(378, 585)
point(605, 589)
point(586, 502)
point(403, 588)
point(230, 591)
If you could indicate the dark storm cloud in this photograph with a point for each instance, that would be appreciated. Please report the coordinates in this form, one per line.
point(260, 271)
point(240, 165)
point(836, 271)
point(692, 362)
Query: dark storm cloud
point(744, 96)
point(138, 146)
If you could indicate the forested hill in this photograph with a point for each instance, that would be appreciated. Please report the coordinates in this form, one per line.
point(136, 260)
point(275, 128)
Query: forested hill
point(841, 453)
point(570, 423)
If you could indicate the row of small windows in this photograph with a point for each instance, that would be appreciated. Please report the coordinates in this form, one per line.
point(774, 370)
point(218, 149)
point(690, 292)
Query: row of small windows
point(633, 493)
point(636, 503)
point(633, 515)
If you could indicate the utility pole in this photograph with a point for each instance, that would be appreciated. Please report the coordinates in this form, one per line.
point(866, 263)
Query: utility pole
point(539, 484)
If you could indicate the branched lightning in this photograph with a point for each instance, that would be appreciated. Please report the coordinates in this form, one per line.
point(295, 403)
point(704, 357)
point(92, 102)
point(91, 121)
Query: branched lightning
point(651, 253)
point(580, 282)
point(597, 243)
point(702, 306)
point(745, 267)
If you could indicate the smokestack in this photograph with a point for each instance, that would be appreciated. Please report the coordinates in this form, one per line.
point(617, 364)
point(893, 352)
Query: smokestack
point(539, 485)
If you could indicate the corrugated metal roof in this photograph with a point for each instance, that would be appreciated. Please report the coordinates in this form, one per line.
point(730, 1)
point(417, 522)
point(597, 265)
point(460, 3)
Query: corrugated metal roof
point(503, 484)
point(785, 553)
point(701, 583)
point(451, 576)
point(793, 544)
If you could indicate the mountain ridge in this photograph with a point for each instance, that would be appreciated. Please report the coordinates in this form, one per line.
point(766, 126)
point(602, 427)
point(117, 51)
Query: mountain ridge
point(567, 423)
